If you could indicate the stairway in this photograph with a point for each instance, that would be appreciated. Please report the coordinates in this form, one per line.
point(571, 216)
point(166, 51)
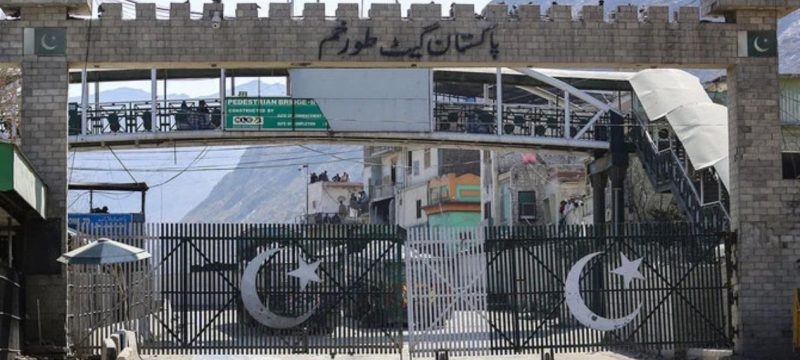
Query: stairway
point(700, 194)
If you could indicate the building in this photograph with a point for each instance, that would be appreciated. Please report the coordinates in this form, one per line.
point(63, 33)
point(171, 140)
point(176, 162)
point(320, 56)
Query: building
point(22, 209)
point(399, 180)
point(454, 200)
point(531, 188)
point(334, 202)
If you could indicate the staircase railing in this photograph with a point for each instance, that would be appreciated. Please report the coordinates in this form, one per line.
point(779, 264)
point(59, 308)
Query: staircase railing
point(666, 170)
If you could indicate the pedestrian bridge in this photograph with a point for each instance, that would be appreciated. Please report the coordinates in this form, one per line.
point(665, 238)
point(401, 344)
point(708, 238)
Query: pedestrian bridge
point(474, 108)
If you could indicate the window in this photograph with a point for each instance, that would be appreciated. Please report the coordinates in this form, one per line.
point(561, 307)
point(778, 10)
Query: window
point(410, 158)
point(487, 210)
point(791, 165)
point(419, 209)
point(427, 158)
point(527, 205)
point(415, 168)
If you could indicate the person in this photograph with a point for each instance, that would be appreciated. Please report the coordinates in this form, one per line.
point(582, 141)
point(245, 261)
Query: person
point(363, 198)
point(324, 176)
point(345, 177)
point(342, 208)
point(336, 178)
point(182, 117)
point(5, 130)
point(203, 107)
point(314, 177)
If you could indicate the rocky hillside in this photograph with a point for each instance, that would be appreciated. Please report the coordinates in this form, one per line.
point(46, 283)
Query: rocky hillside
point(268, 185)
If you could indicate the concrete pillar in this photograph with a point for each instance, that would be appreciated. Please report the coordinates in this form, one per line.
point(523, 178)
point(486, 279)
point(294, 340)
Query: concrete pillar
point(44, 108)
point(599, 183)
point(764, 207)
point(617, 175)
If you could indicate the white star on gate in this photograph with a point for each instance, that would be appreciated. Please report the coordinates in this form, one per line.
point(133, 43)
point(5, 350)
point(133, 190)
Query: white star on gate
point(629, 270)
point(306, 272)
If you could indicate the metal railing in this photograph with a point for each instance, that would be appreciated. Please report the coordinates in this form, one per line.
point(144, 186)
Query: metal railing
point(10, 312)
point(518, 119)
point(669, 168)
point(137, 117)
point(381, 191)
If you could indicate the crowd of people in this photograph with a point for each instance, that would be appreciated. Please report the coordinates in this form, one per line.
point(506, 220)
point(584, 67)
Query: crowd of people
point(323, 177)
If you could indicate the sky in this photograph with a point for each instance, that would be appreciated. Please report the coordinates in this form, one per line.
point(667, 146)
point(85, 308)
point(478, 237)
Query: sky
point(330, 5)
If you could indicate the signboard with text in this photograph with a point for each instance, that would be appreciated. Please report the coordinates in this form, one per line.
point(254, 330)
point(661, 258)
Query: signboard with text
point(273, 113)
point(108, 224)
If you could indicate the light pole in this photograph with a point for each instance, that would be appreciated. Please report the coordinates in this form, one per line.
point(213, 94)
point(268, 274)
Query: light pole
point(308, 181)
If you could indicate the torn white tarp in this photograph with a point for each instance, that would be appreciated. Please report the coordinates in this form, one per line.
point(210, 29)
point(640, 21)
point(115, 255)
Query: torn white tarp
point(700, 124)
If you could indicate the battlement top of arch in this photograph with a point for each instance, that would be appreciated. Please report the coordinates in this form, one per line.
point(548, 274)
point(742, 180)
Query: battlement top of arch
point(78, 7)
point(590, 13)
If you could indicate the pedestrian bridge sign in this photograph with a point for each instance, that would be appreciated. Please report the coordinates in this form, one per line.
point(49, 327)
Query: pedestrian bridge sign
point(273, 113)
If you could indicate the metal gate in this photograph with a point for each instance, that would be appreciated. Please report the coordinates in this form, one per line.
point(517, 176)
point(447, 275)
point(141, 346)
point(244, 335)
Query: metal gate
point(250, 289)
point(504, 290)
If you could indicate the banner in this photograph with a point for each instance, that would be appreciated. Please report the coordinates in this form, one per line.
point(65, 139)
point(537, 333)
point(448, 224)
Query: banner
point(273, 113)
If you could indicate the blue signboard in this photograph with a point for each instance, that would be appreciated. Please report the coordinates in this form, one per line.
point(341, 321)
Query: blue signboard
point(101, 223)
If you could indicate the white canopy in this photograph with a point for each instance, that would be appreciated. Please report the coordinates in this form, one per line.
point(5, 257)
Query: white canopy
point(700, 124)
point(104, 251)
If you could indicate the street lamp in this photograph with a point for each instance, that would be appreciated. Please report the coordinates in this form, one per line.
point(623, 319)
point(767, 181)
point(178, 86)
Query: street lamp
point(308, 181)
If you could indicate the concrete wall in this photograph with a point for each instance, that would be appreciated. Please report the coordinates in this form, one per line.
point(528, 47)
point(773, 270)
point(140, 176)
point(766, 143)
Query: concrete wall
point(455, 218)
point(280, 40)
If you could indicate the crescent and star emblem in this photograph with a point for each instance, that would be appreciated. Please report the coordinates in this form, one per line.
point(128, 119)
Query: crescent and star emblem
point(629, 270)
point(46, 45)
point(759, 45)
point(305, 272)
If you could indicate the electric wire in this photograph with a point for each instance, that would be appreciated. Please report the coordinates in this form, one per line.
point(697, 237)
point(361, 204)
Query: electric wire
point(123, 164)
point(198, 157)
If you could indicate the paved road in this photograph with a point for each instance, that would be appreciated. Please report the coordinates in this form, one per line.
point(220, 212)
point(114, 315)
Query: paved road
point(578, 356)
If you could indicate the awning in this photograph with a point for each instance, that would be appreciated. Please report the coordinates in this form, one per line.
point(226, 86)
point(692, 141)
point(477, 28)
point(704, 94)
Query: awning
point(700, 124)
point(22, 191)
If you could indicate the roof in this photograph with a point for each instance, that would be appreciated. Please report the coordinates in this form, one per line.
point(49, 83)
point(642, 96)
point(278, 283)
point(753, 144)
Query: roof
point(171, 74)
point(140, 187)
point(582, 79)
point(700, 124)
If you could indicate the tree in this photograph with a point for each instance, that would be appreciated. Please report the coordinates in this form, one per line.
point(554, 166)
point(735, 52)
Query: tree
point(10, 91)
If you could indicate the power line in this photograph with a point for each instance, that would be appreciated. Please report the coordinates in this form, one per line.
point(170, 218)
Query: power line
point(182, 171)
point(121, 163)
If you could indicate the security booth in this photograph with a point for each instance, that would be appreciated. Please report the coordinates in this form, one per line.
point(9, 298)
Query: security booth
point(22, 204)
point(100, 219)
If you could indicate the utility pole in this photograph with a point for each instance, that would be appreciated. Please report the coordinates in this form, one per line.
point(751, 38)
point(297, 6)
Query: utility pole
point(308, 182)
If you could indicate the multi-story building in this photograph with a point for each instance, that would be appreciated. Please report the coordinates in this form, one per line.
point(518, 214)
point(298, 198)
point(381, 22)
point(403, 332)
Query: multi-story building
point(533, 188)
point(454, 200)
point(399, 180)
point(334, 202)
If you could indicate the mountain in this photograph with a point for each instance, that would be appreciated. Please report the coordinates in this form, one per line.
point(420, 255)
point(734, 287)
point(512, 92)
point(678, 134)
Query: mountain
point(268, 185)
point(123, 94)
point(252, 88)
point(176, 197)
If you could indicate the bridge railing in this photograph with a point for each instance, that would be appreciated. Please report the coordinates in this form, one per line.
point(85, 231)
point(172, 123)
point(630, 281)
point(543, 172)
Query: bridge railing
point(137, 117)
point(518, 119)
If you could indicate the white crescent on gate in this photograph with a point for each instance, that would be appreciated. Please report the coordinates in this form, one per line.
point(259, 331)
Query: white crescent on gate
point(259, 310)
point(578, 307)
